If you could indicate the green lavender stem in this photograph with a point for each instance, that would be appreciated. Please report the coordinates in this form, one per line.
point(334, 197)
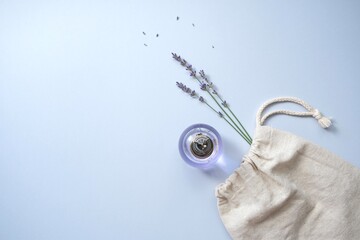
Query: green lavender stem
point(240, 133)
point(222, 109)
point(247, 134)
point(240, 124)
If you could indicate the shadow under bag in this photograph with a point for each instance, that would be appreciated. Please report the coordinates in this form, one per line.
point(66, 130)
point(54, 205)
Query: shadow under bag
point(289, 188)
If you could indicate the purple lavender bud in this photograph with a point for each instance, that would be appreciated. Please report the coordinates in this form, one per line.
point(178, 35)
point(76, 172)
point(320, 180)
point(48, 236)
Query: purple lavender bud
point(192, 73)
point(174, 56)
point(203, 76)
point(189, 67)
point(202, 73)
point(220, 114)
point(193, 93)
point(183, 62)
point(203, 86)
point(179, 84)
point(214, 92)
point(224, 103)
point(201, 99)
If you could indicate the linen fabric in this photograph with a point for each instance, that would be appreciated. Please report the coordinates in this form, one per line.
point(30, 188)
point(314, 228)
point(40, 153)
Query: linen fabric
point(289, 188)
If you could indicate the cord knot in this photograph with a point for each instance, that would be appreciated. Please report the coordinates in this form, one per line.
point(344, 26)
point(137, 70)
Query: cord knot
point(317, 114)
point(323, 121)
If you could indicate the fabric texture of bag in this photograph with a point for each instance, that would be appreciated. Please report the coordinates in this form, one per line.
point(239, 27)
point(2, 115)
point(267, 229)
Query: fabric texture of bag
point(289, 188)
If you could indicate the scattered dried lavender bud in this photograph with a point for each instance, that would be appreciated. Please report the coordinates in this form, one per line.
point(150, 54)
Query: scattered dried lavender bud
point(157, 35)
point(144, 33)
point(213, 46)
point(145, 45)
point(177, 18)
point(193, 25)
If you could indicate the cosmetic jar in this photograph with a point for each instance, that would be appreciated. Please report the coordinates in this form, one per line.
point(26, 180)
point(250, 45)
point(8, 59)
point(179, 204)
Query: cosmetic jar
point(200, 146)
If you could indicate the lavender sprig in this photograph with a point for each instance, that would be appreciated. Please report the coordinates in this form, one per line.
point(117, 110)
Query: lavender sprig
point(207, 86)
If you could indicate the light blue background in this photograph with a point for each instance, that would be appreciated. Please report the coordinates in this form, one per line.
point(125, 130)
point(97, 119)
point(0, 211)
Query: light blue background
point(90, 117)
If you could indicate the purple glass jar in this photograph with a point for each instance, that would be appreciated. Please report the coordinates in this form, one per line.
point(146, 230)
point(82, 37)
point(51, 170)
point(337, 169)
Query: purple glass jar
point(200, 146)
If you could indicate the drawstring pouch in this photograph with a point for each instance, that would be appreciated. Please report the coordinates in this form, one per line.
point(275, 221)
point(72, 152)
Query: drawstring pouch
point(289, 188)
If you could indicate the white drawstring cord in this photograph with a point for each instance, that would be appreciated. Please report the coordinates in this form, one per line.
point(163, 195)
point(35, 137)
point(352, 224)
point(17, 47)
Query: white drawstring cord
point(312, 112)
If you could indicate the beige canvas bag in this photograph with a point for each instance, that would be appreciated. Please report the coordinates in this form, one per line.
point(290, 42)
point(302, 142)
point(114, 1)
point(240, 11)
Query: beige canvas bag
point(289, 188)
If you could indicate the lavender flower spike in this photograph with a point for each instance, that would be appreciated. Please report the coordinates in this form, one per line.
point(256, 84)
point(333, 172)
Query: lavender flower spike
point(185, 64)
point(203, 76)
point(185, 89)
